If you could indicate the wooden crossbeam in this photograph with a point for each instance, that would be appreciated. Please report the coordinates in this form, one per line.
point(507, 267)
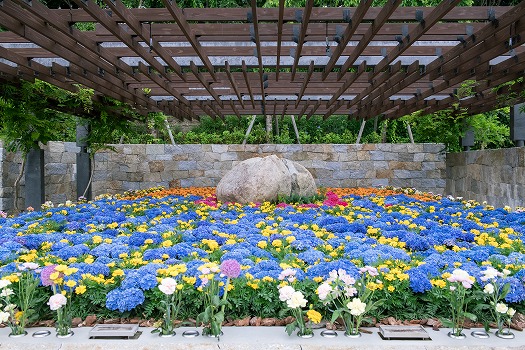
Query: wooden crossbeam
point(143, 32)
point(305, 83)
point(258, 48)
point(279, 38)
point(233, 83)
point(351, 28)
point(177, 14)
point(378, 22)
point(304, 27)
point(247, 81)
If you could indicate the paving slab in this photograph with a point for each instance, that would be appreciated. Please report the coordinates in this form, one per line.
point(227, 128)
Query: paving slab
point(255, 338)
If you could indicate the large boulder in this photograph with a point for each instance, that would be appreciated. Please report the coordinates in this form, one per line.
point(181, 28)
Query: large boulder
point(264, 179)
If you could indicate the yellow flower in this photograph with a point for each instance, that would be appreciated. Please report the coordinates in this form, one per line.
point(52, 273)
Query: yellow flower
point(71, 283)
point(318, 279)
point(314, 316)
point(117, 273)
point(277, 243)
point(97, 239)
point(262, 244)
point(391, 288)
point(148, 241)
point(80, 289)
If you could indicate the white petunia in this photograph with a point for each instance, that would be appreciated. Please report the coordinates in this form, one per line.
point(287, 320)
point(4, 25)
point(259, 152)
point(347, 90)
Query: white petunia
point(356, 307)
point(296, 300)
point(168, 286)
point(502, 308)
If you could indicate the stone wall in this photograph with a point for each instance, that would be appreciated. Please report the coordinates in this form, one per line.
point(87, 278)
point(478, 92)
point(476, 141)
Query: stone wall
point(495, 176)
point(132, 167)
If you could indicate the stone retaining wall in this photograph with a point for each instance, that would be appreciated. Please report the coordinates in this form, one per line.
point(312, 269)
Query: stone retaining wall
point(496, 176)
point(132, 167)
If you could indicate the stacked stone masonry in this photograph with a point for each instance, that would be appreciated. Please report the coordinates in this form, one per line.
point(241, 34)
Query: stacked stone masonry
point(495, 176)
point(132, 167)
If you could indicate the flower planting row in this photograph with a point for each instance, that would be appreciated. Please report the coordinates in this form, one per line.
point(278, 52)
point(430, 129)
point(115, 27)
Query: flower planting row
point(169, 254)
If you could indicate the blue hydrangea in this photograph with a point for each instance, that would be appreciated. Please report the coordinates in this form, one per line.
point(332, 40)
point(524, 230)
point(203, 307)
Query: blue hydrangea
point(124, 299)
point(419, 281)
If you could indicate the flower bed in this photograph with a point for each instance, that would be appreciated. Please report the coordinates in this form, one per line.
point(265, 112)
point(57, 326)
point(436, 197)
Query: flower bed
point(118, 248)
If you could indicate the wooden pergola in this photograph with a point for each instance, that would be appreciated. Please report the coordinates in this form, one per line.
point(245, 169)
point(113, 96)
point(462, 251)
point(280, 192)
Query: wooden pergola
point(361, 62)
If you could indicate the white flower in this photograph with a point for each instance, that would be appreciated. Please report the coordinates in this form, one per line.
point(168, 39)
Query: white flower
point(356, 307)
point(489, 288)
point(490, 273)
point(285, 293)
point(506, 272)
point(502, 308)
point(511, 312)
point(57, 301)
point(9, 307)
point(4, 283)
point(323, 290)
point(296, 300)
point(350, 291)
point(6, 292)
point(28, 266)
point(168, 286)
point(4, 316)
point(461, 276)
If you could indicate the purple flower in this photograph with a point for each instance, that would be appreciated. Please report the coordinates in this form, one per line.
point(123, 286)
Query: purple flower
point(231, 268)
point(45, 275)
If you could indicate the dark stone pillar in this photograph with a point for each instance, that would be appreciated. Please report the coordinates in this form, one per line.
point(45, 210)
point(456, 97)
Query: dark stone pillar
point(517, 124)
point(83, 163)
point(34, 179)
point(468, 138)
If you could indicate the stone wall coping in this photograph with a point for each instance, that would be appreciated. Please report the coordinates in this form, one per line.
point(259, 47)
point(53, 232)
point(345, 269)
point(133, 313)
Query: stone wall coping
point(257, 338)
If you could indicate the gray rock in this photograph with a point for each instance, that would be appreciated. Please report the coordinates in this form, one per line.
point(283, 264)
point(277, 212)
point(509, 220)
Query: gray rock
point(264, 179)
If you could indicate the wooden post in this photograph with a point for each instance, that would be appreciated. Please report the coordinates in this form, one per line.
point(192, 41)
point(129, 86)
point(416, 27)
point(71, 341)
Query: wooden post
point(360, 132)
point(249, 130)
point(409, 129)
point(295, 129)
point(169, 132)
point(269, 128)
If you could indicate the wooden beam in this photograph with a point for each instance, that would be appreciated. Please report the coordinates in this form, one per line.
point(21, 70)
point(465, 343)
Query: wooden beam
point(177, 14)
point(233, 83)
point(279, 38)
point(351, 28)
point(304, 27)
point(305, 83)
point(378, 22)
point(245, 74)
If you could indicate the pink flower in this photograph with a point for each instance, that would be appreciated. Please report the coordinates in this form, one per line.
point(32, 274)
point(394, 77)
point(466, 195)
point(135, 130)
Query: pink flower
point(57, 301)
point(324, 290)
point(461, 276)
point(372, 271)
point(45, 275)
point(231, 268)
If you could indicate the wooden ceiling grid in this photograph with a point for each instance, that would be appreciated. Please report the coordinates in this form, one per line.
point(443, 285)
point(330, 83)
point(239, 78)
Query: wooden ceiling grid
point(362, 62)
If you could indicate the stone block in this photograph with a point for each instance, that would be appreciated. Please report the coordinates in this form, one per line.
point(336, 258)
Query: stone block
point(155, 149)
point(153, 177)
point(415, 148)
point(348, 183)
point(191, 148)
point(187, 165)
point(55, 147)
point(156, 166)
point(219, 148)
point(384, 174)
point(55, 169)
point(404, 165)
point(161, 157)
point(68, 158)
point(187, 183)
point(377, 155)
point(364, 155)
point(347, 157)
point(229, 156)
point(71, 147)
point(407, 174)
point(379, 182)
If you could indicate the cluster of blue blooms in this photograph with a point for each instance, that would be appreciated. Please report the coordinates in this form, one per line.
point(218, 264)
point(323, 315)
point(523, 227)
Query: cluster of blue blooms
point(141, 236)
